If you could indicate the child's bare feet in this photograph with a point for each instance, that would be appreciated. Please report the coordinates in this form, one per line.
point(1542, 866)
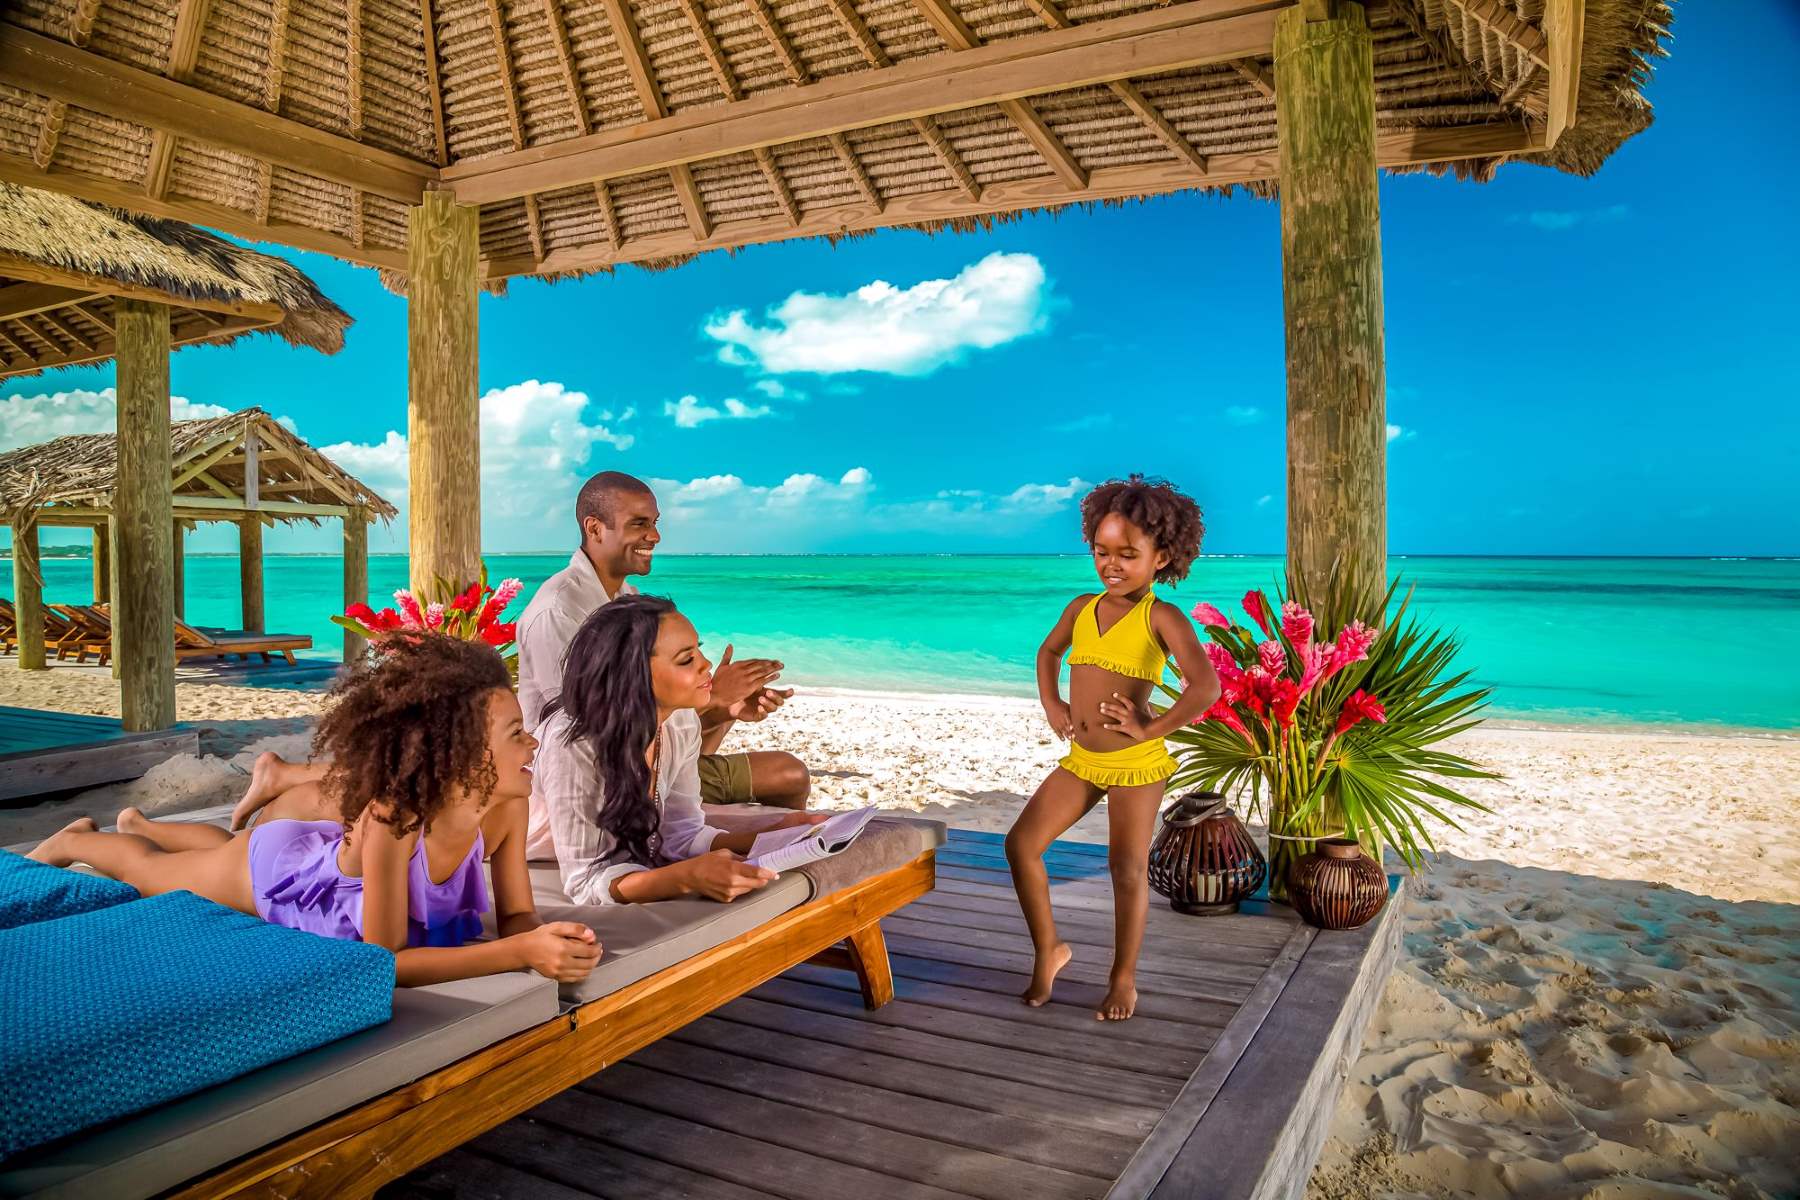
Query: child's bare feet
point(53, 849)
point(1043, 974)
point(265, 785)
point(1119, 1002)
point(132, 820)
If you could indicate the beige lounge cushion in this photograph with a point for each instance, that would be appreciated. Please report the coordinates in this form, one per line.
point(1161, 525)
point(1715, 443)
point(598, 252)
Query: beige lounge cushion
point(157, 1149)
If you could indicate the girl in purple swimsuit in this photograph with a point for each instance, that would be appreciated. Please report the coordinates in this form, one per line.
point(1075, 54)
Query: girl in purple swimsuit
point(431, 767)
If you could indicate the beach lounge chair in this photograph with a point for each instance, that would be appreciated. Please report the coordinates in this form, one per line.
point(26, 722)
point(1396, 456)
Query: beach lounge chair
point(458, 1059)
point(9, 626)
point(194, 642)
point(78, 629)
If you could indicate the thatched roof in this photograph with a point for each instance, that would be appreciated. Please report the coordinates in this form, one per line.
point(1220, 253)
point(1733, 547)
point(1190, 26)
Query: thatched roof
point(63, 263)
point(208, 466)
point(599, 132)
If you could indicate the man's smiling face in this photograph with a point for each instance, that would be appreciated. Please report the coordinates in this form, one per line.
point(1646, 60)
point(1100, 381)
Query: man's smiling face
point(627, 540)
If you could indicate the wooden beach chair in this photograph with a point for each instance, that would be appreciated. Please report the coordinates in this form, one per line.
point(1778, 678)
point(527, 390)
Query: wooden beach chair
point(9, 626)
point(193, 642)
point(458, 1059)
point(78, 629)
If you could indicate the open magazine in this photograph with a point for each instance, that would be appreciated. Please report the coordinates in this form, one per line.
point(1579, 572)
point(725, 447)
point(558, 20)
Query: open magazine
point(785, 849)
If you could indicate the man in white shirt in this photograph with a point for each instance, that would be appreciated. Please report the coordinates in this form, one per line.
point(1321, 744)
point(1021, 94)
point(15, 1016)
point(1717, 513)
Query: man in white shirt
point(618, 515)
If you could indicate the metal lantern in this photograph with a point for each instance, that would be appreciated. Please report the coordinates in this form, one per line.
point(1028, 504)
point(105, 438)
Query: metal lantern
point(1337, 886)
point(1204, 859)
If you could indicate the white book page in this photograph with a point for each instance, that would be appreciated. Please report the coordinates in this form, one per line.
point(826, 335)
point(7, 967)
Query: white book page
point(785, 849)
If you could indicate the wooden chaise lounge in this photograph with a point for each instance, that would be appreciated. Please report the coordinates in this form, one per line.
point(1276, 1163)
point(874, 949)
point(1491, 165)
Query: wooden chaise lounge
point(193, 642)
point(458, 1059)
point(78, 629)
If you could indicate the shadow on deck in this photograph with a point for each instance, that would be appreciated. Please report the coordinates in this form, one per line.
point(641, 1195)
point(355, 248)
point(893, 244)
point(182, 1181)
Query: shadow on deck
point(43, 752)
point(1222, 1086)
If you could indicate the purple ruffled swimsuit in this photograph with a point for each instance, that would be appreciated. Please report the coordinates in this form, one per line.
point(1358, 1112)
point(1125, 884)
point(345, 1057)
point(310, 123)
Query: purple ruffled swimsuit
point(295, 878)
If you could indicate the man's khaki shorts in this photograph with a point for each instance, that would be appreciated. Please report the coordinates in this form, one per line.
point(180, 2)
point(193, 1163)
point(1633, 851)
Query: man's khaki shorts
point(725, 779)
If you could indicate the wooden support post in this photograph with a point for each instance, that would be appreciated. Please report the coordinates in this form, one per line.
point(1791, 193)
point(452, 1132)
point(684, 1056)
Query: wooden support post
point(1331, 288)
point(143, 509)
point(178, 571)
point(869, 959)
point(102, 564)
point(443, 410)
point(356, 573)
point(250, 571)
point(28, 594)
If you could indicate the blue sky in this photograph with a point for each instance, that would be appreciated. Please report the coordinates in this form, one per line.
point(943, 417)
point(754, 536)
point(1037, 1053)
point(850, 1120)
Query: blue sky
point(1574, 366)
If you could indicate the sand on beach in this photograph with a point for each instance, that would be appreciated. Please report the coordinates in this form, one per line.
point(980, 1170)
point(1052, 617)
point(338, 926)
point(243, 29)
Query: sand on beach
point(1600, 995)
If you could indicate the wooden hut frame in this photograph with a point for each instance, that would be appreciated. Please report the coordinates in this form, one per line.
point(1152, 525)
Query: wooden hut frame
point(243, 468)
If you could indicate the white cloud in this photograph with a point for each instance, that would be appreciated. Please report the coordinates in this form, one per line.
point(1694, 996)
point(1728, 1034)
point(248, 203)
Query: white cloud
point(689, 413)
point(1563, 220)
point(1085, 424)
point(1265, 501)
point(28, 420)
point(895, 331)
point(1396, 433)
point(1243, 414)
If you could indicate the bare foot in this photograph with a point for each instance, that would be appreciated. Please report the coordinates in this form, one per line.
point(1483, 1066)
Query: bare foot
point(1043, 975)
point(132, 820)
point(264, 780)
point(1119, 1002)
point(53, 850)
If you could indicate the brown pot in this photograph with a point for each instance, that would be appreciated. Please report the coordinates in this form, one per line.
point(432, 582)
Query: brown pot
point(1337, 886)
point(1204, 859)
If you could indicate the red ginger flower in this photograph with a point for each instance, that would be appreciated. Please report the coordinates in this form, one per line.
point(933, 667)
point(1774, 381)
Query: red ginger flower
point(499, 635)
point(1284, 699)
point(410, 616)
point(1358, 708)
point(1297, 623)
point(1224, 714)
point(1272, 657)
point(468, 600)
point(361, 612)
point(1258, 608)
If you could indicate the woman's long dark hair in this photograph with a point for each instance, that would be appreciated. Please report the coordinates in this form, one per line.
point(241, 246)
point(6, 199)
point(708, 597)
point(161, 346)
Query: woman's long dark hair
point(607, 694)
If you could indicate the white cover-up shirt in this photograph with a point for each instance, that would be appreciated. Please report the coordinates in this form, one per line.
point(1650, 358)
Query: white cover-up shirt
point(566, 796)
point(565, 600)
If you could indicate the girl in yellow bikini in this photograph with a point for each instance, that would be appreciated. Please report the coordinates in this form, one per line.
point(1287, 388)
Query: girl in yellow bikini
point(1118, 642)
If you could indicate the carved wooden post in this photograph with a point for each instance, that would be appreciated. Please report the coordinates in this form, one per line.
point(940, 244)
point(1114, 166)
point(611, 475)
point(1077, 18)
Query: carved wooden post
point(178, 572)
point(1331, 286)
point(143, 509)
point(356, 573)
point(250, 571)
point(443, 410)
point(28, 595)
point(102, 565)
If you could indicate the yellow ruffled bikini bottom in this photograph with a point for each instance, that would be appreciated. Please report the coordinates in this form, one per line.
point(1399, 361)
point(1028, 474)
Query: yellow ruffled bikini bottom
point(1134, 766)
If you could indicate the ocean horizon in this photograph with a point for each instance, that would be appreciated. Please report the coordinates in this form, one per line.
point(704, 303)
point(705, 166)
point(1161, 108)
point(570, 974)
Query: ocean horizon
point(1593, 640)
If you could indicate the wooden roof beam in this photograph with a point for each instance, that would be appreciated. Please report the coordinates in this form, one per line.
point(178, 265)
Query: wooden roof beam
point(428, 29)
point(1563, 31)
point(1257, 76)
point(49, 133)
point(26, 269)
point(953, 163)
point(19, 299)
point(1150, 115)
point(1396, 148)
point(1195, 33)
point(184, 51)
point(643, 81)
point(65, 329)
point(859, 176)
point(777, 184)
point(565, 61)
point(1509, 27)
point(709, 46)
point(515, 118)
point(778, 39)
point(87, 80)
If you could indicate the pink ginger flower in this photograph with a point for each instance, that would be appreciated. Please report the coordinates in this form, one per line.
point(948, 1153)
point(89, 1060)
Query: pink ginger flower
point(1222, 660)
point(434, 616)
point(410, 616)
point(1353, 642)
point(1272, 657)
point(1258, 608)
point(1358, 708)
point(1315, 663)
point(1207, 615)
point(1297, 623)
point(503, 596)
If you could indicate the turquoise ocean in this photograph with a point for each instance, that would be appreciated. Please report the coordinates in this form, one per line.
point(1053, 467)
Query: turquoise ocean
point(1696, 642)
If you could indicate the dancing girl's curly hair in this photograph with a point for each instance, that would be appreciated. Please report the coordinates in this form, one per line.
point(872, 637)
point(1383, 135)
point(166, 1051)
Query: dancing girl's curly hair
point(409, 726)
point(1157, 507)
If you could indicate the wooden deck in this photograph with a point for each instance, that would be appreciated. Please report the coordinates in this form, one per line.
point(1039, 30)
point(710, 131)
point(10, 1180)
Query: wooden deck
point(1220, 1087)
point(52, 751)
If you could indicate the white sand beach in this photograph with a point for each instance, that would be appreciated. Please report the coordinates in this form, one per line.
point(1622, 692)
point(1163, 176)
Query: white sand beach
point(1600, 995)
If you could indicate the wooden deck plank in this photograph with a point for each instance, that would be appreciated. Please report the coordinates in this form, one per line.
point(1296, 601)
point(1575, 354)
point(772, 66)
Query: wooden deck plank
point(934, 1076)
point(600, 1168)
point(1151, 961)
point(1016, 1063)
point(461, 1175)
point(981, 837)
point(775, 1124)
point(1092, 1045)
point(1092, 970)
point(1171, 927)
point(869, 1101)
point(1149, 1031)
point(1076, 993)
point(44, 751)
point(779, 1170)
point(1094, 933)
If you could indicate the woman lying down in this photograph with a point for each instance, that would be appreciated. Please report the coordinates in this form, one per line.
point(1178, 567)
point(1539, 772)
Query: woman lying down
point(431, 772)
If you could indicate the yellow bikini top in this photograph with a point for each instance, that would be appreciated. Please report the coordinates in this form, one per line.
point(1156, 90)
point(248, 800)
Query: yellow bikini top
point(1129, 648)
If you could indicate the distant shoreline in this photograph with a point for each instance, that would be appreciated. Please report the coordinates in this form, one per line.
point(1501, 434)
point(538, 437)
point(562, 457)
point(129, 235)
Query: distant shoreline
point(72, 552)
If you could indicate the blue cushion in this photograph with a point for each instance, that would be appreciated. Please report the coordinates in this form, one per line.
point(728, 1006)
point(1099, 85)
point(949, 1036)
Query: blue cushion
point(113, 1011)
point(32, 891)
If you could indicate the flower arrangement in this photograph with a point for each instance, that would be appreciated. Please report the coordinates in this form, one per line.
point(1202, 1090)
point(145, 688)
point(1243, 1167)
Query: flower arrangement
point(1333, 736)
point(472, 614)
